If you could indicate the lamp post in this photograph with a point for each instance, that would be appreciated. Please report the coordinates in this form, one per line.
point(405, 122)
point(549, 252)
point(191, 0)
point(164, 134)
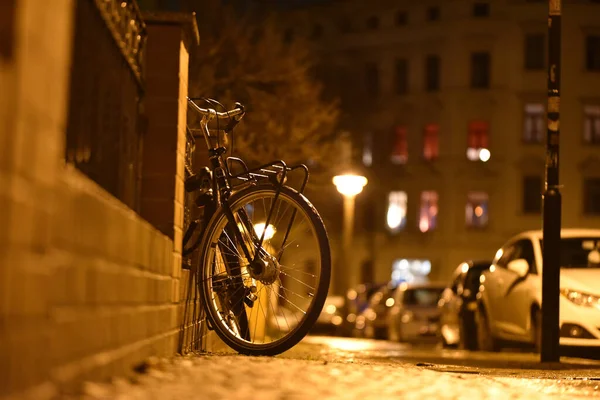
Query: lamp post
point(349, 185)
point(552, 197)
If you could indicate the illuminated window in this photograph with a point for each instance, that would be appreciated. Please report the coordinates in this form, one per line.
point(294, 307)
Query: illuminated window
point(410, 270)
point(428, 211)
point(591, 124)
point(400, 149)
point(367, 156)
point(477, 141)
point(477, 210)
point(396, 212)
point(533, 130)
point(431, 149)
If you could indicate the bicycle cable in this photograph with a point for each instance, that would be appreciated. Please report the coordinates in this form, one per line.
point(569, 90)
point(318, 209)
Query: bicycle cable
point(217, 103)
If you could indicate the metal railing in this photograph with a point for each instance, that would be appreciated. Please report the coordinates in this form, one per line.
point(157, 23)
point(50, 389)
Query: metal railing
point(105, 122)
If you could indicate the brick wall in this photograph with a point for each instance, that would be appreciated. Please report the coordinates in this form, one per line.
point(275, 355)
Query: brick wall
point(88, 289)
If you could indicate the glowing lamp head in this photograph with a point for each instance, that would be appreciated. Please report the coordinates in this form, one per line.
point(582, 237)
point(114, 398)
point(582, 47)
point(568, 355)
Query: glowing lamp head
point(349, 185)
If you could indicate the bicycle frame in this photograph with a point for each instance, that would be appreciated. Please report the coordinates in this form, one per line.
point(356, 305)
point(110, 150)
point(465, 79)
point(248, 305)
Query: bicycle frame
point(222, 180)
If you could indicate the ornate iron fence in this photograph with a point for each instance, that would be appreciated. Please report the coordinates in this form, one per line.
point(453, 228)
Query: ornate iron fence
point(105, 122)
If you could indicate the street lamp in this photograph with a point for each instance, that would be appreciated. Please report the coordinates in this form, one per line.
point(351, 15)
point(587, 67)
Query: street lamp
point(349, 185)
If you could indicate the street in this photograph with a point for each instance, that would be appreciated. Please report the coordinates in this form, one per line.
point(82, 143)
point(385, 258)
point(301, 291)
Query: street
point(343, 368)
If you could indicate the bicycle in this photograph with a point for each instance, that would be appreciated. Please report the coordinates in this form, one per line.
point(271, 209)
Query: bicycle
point(264, 260)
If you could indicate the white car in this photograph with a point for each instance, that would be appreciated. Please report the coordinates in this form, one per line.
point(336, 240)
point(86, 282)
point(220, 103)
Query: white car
point(510, 293)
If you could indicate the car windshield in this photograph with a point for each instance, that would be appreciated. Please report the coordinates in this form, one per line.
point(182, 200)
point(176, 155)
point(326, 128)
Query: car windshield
point(422, 296)
point(579, 252)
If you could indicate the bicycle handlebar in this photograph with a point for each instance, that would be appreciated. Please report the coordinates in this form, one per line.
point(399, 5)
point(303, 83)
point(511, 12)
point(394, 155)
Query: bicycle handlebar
point(234, 116)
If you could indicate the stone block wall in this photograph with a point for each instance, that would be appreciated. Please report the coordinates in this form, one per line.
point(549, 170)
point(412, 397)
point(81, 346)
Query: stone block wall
point(88, 288)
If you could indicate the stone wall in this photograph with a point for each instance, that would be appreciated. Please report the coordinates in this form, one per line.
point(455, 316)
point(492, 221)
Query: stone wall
point(88, 288)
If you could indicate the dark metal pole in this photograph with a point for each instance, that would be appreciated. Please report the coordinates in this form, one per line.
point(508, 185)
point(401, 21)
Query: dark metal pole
point(551, 197)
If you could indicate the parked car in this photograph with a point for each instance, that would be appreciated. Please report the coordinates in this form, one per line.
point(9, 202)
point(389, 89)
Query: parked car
point(357, 300)
point(415, 315)
point(458, 305)
point(510, 292)
point(331, 317)
point(372, 322)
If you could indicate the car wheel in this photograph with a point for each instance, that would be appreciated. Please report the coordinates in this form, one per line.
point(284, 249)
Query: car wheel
point(485, 340)
point(467, 334)
point(536, 329)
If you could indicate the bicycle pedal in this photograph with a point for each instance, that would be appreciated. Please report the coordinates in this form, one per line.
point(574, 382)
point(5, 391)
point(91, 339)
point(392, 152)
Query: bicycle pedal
point(248, 301)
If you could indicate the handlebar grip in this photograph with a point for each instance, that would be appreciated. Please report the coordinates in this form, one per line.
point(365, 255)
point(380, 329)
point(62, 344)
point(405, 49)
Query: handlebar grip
point(236, 119)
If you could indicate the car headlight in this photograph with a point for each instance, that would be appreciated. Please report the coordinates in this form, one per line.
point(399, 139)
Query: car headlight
point(581, 299)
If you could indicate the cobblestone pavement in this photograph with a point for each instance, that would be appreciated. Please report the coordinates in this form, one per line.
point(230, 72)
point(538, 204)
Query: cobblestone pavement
point(325, 369)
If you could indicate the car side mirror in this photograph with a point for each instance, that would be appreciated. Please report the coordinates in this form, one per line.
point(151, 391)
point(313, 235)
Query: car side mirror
point(519, 266)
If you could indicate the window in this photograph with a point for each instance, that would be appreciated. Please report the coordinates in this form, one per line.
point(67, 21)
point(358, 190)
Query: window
point(534, 123)
point(432, 73)
point(372, 79)
point(396, 212)
point(592, 52)
point(524, 249)
point(477, 141)
point(431, 149)
point(409, 270)
point(428, 211)
point(477, 210)
point(346, 26)
point(401, 76)
point(535, 51)
point(480, 70)
point(367, 155)
point(433, 13)
point(373, 23)
point(591, 188)
point(532, 194)
point(591, 124)
point(8, 23)
point(400, 149)
point(317, 32)
point(288, 35)
point(481, 10)
point(401, 18)
point(506, 255)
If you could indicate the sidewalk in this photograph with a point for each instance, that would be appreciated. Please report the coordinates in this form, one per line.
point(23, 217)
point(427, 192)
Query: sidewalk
point(317, 371)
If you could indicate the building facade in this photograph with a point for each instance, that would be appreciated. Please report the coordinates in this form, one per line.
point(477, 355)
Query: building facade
point(446, 104)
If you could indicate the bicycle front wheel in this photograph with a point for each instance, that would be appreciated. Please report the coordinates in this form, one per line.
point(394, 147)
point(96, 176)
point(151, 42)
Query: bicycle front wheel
point(262, 300)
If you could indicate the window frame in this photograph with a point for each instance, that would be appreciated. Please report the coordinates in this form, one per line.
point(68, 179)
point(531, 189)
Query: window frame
point(533, 63)
point(587, 201)
point(524, 196)
point(535, 118)
point(481, 70)
point(432, 73)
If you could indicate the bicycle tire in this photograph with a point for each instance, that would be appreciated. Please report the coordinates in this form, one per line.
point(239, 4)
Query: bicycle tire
point(208, 257)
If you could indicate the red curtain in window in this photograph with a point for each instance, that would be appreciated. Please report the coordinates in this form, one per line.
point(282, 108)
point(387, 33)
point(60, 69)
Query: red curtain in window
point(400, 149)
point(478, 135)
point(431, 147)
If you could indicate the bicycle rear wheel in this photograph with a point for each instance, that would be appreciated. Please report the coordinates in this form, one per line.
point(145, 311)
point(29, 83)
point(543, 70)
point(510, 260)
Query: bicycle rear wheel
point(267, 306)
